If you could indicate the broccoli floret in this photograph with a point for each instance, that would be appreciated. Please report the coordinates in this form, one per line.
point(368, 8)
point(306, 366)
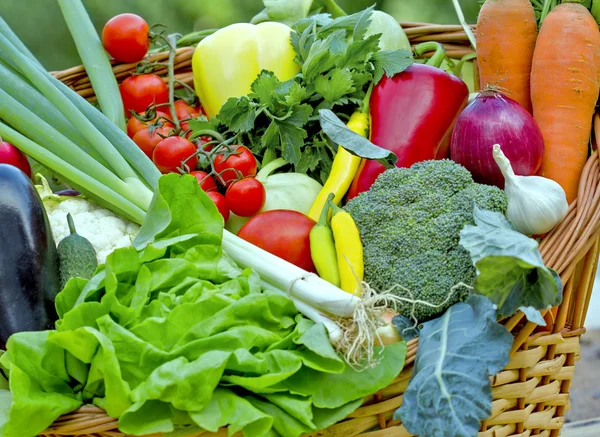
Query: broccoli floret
point(410, 222)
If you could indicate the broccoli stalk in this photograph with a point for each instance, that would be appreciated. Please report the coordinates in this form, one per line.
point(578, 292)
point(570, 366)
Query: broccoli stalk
point(410, 222)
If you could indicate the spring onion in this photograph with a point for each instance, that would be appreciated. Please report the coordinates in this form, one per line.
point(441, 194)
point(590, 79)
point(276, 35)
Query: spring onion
point(33, 100)
point(74, 176)
point(64, 105)
point(95, 60)
point(286, 276)
point(23, 120)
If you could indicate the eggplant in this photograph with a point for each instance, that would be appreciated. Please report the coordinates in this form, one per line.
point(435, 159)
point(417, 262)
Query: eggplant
point(28, 258)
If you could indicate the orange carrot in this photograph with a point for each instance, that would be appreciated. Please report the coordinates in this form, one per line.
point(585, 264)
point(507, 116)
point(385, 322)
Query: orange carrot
point(506, 34)
point(565, 80)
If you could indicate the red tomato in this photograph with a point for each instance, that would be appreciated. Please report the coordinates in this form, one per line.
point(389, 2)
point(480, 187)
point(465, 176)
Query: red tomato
point(283, 233)
point(147, 141)
point(139, 92)
point(134, 125)
point(246, 197)
point(171, 152)
point(125, 37)
point(207, 183)
point(220, 203)
point(243, 161)
point(9, 154)
point(185, 112)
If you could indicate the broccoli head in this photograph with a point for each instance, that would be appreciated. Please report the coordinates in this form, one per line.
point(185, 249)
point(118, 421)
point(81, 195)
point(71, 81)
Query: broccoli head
point(410, 222)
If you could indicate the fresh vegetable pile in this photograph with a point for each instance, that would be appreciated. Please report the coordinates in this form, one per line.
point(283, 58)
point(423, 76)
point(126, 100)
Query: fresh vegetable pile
point(253, 251)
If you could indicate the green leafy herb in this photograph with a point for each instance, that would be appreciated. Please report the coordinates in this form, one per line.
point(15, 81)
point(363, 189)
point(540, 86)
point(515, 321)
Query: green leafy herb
point(510, 269)
point(339, 64)
point(171, 336)
point(450, 392)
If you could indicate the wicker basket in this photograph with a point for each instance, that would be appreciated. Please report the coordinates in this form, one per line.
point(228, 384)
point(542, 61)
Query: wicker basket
point(531, 394)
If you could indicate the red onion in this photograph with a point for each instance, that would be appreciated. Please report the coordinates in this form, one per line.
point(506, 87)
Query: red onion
point(492, 118)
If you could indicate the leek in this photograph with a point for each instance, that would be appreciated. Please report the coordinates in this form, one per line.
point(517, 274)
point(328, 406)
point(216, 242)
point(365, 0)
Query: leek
point(95, 60)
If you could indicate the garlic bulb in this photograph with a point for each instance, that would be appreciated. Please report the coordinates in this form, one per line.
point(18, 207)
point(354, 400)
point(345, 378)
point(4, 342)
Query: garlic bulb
point(535, 204)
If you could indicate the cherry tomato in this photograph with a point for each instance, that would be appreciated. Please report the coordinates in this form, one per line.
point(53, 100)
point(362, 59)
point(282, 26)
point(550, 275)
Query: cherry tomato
point(284, 233)
point(147, 141)
point(125, 37)
point(169, 154)
point(185, 112)
point(207, 183)
point(243, 161)
point(246, 197)
point(139, 92)
point(9, 154)
point(220, 203)
point(134, 125)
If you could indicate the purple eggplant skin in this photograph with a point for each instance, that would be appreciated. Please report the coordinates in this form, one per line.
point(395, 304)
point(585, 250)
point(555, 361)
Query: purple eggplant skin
point(28, 258)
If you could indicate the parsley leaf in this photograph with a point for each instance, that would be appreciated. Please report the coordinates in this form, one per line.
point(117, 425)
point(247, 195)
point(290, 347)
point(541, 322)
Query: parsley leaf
point(270, 139)
point(320, 57)
point(363, 24)
point(335, 85)
point(238, 114)
point(392, 62)
point(346, 23)
point(360, 52)
point(300, 115)
point(263, 89)
point(292, 139)
point(309, 160)
point(296, 94)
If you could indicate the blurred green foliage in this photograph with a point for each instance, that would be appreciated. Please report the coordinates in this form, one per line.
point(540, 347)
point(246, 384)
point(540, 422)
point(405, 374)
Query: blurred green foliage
point(40, 25)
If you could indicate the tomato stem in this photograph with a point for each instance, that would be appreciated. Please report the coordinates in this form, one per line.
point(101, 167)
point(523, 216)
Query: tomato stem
point(212, 133)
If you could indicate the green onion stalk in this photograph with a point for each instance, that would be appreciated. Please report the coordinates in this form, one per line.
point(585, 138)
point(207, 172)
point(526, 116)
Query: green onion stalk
point(95, 60)
point(59, 129)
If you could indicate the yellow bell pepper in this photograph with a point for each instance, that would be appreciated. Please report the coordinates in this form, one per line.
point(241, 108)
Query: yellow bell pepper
point(344, 168)
point(227, 62)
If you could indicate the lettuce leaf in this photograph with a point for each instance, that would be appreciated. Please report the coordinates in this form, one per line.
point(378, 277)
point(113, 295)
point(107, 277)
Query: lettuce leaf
point(450, 392)
point(510, 269)
point(170, 336)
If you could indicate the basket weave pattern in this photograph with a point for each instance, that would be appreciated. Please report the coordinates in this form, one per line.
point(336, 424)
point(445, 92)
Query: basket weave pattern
point(531, 394)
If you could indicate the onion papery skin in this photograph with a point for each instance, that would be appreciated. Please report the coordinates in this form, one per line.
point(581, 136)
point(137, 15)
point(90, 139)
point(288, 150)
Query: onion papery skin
point(492, 118)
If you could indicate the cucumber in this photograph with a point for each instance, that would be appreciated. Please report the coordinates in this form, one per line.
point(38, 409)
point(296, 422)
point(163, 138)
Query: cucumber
point(76, 256)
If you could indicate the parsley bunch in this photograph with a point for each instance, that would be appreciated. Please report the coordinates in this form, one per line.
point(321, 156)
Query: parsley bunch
point(339, 67)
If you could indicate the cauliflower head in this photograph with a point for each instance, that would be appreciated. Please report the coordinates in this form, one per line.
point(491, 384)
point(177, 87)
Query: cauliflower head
point(104, 230)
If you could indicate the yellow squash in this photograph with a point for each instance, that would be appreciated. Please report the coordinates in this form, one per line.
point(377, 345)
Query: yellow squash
point(344, 168)
point(227, 62)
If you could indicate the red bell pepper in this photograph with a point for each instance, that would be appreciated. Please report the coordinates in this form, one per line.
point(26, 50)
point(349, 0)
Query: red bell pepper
point(412, 114)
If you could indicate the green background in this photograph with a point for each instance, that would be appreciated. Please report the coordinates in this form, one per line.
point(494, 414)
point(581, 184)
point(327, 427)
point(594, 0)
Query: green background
point(40, 25)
